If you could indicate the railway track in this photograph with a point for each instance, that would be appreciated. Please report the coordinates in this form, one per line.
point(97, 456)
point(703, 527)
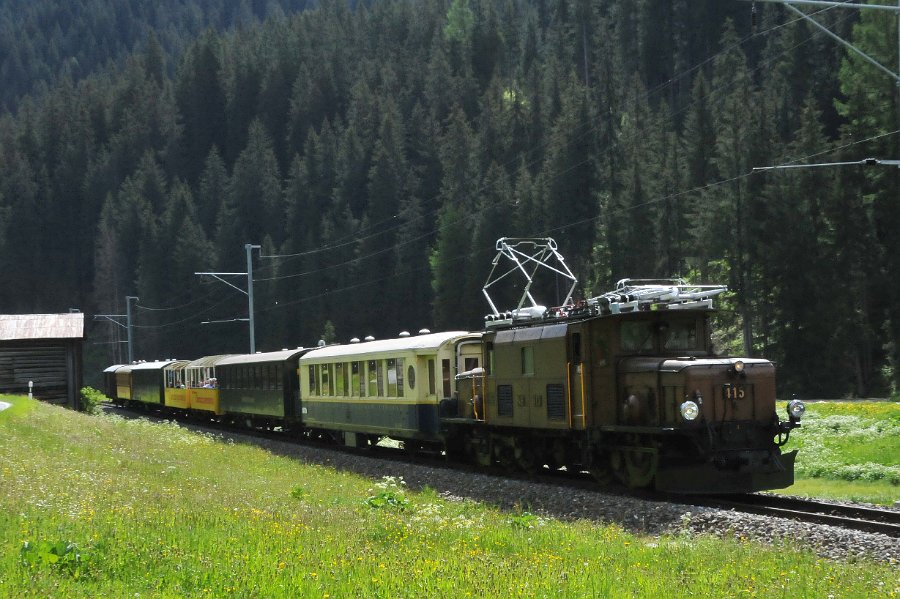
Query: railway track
point(853, 517)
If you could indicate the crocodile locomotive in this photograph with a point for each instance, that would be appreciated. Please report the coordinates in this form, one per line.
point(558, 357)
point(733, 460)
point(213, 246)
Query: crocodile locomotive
point(625, 385)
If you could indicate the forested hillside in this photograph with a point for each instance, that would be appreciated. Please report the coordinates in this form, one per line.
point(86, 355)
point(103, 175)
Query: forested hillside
point(43, 41)
point(377, 152)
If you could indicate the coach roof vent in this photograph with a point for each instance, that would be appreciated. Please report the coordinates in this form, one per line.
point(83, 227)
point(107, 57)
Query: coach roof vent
point(370, 338)
point(404, 333)
point(354, 340)
point(424, 331)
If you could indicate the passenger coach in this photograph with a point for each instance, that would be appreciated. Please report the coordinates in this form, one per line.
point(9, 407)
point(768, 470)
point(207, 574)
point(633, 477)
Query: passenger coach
point(260, 389)
point(384, 388)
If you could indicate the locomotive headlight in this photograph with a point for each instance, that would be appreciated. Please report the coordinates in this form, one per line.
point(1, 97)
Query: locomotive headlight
point(796, 409)
point(690, 410)
point(738, 367)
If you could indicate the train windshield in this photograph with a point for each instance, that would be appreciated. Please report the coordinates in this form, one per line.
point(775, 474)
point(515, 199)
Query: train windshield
point(648, 336)
point(638, 336)
point(680, 336)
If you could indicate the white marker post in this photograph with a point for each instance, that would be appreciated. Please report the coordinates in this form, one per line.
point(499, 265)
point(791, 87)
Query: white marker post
point(30, 389)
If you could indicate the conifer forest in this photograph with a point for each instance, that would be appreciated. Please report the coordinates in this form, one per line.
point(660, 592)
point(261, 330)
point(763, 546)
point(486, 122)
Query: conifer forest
point(376, 150)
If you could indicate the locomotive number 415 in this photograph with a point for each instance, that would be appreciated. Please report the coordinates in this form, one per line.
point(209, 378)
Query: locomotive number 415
point(734, 391)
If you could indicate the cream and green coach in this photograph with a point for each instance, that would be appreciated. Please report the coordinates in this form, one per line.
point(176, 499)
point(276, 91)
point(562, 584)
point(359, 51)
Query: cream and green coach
point(392, 387)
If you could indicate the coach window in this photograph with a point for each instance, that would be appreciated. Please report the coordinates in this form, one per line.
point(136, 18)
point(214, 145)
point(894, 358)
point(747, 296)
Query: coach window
point(431, 381)
point(372, 390)
point(379, 365)
point(392, 377)
point(445, 374)
point(357, 385)
point(279, 377)
point(328, 379)
point(313, 387)
point(339, 385)
point(411, 376)
point(489, 360)
point(528, 360)
point(400, 363)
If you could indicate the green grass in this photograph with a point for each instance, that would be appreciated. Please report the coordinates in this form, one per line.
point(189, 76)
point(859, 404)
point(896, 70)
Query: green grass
point(102, 506)
point(849, 450)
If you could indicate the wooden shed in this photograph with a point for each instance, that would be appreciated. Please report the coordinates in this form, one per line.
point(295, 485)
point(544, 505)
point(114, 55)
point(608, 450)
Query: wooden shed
point(45, 349)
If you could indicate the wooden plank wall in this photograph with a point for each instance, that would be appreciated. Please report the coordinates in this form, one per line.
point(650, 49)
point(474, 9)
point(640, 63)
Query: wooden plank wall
point(49, 365)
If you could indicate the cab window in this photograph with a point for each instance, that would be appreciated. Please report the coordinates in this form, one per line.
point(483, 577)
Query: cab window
point(680, 336)
point(637, 336)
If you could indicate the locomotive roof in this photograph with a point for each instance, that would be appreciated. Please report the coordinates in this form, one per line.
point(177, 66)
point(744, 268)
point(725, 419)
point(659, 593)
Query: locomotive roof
point(430, 341)
point(113, 368)
point(631, 296)
point(272, 356)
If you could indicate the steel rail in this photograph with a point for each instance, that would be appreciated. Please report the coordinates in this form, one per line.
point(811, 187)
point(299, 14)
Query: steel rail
point(854, 517)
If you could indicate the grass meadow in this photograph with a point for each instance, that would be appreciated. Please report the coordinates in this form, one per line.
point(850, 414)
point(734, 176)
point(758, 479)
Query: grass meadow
point(102, 506)
point(848, 450)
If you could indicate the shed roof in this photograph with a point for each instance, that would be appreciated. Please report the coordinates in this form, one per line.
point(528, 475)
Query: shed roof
point(14, 327)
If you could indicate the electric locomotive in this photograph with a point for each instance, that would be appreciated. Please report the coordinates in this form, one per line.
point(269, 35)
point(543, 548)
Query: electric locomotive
point(625, 385)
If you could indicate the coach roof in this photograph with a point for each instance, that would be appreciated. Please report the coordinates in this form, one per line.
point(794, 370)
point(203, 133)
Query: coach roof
point(418, 344)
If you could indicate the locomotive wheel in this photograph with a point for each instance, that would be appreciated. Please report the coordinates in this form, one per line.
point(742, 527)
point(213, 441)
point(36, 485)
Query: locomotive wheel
point(481, 452)
point(601, 471)
point(527, 460)
point(640, 467)
point(506, 456)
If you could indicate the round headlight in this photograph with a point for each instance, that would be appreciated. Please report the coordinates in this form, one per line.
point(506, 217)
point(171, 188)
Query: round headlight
point(738, 366)
point(690, 410)
point(796, 409)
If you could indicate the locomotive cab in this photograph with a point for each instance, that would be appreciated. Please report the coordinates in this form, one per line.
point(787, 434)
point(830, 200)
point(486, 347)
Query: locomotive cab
point(699, 422)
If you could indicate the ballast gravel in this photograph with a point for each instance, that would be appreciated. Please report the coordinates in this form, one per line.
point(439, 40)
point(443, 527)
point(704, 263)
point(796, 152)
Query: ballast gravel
point(563, 501)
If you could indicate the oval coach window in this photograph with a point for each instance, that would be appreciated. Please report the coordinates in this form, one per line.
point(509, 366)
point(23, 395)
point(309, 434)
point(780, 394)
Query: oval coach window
point(411, 377)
